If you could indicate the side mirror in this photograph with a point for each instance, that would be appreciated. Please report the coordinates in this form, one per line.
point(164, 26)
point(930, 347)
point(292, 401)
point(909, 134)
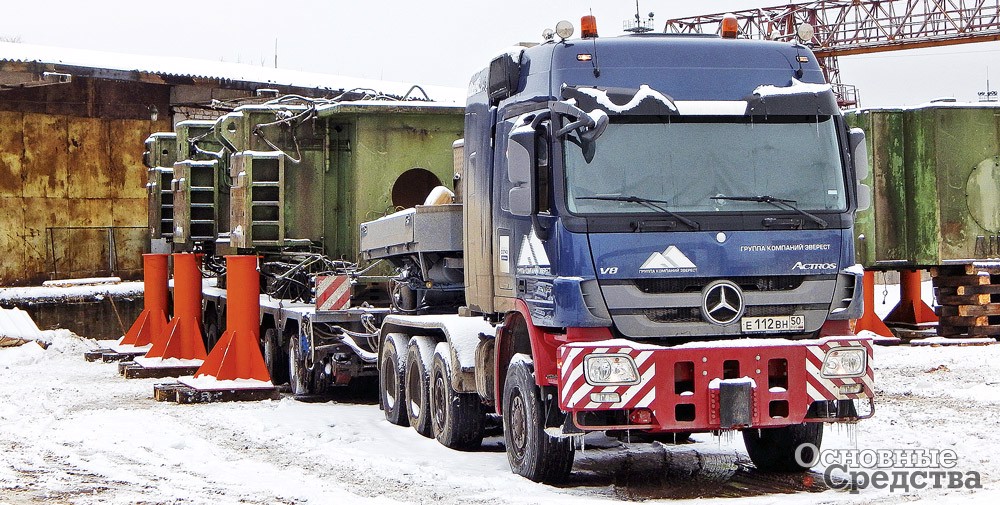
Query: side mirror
point(859, 153)
point(503, 76)
point(520, 171)
point(859, 156)
point(864, 197)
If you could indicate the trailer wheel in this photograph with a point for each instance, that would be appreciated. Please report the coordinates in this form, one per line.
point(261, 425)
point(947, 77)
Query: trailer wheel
point(773, 449)
point(298, 375)
point(211, 334)
point(531, 451)
point(274, 357)
point(456, 418)
point(418, 384)
point(390, 373)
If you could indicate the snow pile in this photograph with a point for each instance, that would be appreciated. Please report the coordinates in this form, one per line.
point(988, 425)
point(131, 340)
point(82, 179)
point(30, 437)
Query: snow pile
point(16, 324)
point(26, 354)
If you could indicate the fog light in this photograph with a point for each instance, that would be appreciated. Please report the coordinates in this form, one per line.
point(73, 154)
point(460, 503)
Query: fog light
point(641, 416)
point(605, 397)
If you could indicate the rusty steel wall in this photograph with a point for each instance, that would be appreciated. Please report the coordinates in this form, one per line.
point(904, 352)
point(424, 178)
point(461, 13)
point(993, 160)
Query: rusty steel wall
point(72, 196)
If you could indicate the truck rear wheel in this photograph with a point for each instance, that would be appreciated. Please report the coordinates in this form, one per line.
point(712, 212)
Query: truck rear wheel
point(531, 451)
point(456, 418)
point(418, 384)
point(392, 395)
point(773, 449)
point(274, 357)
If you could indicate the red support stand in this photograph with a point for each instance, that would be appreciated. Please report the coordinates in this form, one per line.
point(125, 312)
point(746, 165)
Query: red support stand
point(911, 309)
point(870, 320)
point(183, 338)
point(237, 354)
point(148, 327)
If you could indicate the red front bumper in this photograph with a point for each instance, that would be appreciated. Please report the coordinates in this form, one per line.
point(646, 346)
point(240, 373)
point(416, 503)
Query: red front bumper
point(676, 383)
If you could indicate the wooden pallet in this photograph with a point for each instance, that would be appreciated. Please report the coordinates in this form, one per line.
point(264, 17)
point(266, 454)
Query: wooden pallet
point(133, 370)
point(968, 299)
point(180, 393)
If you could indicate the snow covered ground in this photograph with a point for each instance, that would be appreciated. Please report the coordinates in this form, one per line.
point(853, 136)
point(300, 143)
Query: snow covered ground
point(76, 432)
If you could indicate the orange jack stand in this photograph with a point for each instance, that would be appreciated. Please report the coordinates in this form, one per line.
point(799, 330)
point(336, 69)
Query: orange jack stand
point(148, 327)
point(237, 354)
point(911, 309)
point(183, 339)
point(870, 320)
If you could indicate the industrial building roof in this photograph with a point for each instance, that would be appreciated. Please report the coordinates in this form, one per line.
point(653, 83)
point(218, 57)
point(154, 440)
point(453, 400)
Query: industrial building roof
point(174, 70)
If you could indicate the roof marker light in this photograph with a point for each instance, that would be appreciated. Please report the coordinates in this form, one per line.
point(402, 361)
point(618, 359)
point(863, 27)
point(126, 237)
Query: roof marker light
point(588, 27)
point(730, 26)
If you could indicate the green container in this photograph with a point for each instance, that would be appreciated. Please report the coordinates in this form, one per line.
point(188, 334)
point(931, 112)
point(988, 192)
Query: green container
point(935, 176)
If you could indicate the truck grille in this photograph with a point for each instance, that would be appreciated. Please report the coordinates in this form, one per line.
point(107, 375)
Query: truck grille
point(693, 314)
point(695, 284)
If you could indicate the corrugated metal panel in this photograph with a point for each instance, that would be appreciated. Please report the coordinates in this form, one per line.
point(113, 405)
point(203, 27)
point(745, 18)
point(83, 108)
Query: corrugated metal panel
point(128, 67)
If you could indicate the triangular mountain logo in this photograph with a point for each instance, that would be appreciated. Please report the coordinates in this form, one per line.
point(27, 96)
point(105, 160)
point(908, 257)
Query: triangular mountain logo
point(671, 258)
point(531, 259)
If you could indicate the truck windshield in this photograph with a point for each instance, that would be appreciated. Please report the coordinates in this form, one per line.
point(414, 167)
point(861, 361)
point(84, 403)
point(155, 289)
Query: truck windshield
point(687, 162)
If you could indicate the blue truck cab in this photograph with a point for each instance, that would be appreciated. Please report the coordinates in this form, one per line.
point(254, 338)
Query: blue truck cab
point(662, 227)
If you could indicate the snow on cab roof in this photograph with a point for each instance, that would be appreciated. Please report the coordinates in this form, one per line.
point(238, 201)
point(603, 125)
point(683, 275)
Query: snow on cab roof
point(206, 69)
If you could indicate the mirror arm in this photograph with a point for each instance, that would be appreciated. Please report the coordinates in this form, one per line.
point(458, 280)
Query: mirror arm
point(541, 231)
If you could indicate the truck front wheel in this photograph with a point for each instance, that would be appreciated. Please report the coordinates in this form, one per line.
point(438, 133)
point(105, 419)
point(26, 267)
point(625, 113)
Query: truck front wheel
point(456, 418)
point(532, 452)
point(773, 449)
point(392, 394)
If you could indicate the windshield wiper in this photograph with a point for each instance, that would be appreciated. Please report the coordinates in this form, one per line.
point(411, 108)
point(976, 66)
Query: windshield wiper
point(780, 203)
point(646, 202)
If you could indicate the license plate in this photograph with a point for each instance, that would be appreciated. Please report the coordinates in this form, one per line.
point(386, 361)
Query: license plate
point(773, 323)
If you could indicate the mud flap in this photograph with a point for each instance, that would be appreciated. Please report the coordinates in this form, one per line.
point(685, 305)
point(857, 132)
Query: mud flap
point(735, 404)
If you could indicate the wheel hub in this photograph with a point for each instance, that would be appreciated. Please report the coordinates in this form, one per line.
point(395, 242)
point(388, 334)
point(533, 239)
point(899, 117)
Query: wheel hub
point(518, 424)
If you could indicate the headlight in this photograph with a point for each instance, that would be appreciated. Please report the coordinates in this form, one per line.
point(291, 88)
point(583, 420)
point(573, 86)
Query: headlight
point(610, 370)
point(845, 362)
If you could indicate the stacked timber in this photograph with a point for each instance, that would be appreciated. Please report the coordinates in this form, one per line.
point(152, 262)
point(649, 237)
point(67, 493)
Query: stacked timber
point(968, 298)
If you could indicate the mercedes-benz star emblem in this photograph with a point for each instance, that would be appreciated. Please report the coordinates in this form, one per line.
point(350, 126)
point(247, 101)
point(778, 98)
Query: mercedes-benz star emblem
point(722, 302)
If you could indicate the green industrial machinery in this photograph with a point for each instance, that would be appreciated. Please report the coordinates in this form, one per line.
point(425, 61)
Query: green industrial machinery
point(159, 158)
point(199, 189)
point(305, 176)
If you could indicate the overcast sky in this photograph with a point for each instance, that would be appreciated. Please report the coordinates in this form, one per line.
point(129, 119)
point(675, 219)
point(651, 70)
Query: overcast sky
point(431, 41)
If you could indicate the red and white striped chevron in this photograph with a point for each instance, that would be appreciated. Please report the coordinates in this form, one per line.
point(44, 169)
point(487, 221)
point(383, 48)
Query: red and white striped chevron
point(820, 388)
point(333, 292)
point(576, 392)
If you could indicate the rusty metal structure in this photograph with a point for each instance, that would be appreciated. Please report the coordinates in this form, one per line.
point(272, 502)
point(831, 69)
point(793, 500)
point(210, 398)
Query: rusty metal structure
point(834, 28)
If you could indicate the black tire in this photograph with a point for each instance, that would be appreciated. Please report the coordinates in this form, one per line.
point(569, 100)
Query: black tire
point(418, 387)
point(456, 418)
point(392, 394)
point(532, 453)
point(773, 449)
point(299, 377)
point(274, 357)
